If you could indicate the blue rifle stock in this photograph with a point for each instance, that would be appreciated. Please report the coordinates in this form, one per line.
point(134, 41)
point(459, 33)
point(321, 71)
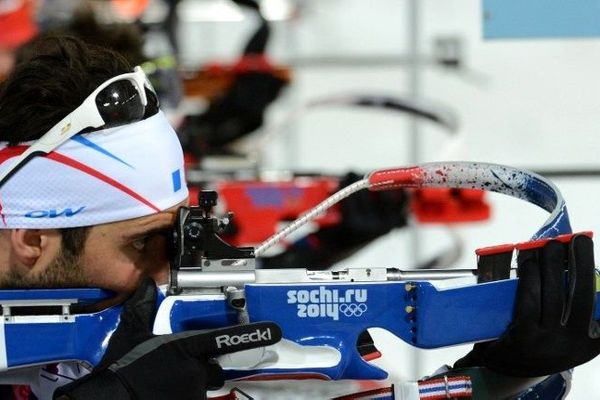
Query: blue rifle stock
point(414, 310)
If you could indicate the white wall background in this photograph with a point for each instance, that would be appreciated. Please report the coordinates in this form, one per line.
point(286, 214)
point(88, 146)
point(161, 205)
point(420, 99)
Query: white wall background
point(536, 106)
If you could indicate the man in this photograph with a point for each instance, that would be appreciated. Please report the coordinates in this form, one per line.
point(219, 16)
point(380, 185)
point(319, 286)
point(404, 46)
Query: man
point(91, 211)
point(72, 252)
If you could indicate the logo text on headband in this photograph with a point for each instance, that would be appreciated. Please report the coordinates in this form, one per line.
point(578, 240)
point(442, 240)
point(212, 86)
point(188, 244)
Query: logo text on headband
point(67, 212)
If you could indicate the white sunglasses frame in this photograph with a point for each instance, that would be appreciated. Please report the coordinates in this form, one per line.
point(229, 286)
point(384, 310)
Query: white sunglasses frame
point(86, 115)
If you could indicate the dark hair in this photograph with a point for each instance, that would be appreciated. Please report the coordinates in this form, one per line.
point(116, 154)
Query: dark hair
point(53, 75)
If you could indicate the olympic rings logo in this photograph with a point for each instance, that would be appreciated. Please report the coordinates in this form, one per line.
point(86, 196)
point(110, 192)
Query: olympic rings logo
point(353, 309)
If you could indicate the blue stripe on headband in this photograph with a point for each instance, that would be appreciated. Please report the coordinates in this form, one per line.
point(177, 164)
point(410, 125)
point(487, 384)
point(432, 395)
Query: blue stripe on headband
point(86, 142)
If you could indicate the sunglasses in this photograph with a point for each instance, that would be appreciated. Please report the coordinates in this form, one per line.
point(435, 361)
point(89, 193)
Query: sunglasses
point(121, 100)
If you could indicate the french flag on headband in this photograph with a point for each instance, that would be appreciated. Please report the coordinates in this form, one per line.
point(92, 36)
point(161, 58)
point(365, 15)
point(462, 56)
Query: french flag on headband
point(109, 175)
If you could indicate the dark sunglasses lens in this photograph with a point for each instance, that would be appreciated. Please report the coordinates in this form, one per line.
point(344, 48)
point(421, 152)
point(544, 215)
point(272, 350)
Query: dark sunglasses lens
point(153, 105)
point(120, 103)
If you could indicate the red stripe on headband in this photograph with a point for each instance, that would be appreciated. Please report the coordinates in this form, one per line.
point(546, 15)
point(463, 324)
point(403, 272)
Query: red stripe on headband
point(11, 151)
point(14, 151)
point(99, 175)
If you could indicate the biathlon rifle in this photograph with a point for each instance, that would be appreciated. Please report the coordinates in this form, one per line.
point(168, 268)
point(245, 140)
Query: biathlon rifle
point(321, 313)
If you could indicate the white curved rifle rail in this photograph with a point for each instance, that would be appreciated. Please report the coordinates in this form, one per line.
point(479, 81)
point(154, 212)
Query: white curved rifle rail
point(522, 184)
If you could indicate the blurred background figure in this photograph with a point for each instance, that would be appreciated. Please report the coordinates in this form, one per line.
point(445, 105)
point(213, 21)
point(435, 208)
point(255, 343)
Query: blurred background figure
point(237, 109)
point(17, 27)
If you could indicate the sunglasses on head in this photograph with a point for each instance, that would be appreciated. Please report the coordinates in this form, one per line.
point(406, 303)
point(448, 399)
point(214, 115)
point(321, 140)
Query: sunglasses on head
point(121, 100)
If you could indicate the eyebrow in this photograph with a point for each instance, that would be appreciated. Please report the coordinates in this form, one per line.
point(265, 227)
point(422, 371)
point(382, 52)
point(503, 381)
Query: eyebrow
point(138, 234)
point(153, 224)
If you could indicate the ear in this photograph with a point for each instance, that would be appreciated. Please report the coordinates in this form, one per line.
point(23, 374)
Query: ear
point(29, 244)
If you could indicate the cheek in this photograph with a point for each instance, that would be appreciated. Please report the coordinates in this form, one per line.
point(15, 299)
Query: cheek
point(111, 270)
point(113, 266)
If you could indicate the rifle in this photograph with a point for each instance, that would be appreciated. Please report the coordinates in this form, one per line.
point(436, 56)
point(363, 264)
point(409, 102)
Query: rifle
point(321, 313)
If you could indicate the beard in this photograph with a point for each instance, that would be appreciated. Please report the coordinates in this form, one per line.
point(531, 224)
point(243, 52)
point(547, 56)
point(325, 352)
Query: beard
point(65, 271)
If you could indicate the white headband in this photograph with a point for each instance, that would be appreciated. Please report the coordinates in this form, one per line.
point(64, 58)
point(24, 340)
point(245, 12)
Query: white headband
point(110, 175)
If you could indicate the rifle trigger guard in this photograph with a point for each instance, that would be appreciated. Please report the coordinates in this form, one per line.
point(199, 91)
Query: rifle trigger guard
point(236, 298)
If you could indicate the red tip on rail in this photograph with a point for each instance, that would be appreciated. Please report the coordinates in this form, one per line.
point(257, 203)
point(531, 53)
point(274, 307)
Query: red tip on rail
point(386, 179)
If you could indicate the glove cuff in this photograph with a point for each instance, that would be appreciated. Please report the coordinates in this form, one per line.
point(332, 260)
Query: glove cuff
point(104, 385)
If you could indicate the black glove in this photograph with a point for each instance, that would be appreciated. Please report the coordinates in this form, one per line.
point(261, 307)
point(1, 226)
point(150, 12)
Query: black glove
point(140, 365)
point(553, 328)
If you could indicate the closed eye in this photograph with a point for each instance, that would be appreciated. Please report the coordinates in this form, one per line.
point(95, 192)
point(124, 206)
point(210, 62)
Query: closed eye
point(140, 243)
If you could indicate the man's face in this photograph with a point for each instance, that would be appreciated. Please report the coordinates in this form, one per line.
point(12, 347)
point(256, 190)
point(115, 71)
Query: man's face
point(115, 256)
